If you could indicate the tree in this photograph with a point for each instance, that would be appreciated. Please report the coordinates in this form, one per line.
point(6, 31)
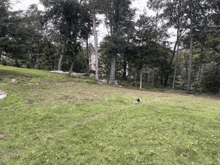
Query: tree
point(71, 19)
point(214, 6)
point(95, 44)
point(171, 11)
point(4, 17)
point(22, 40)
point(116, 12)
point(127, 41)
point(144, 34)
point(149, 35)
point(196, 14)
point(186, 16)
point(174, 12)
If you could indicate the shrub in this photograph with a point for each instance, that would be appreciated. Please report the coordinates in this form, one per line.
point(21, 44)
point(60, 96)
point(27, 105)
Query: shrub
point(5, 62)
point(211, 81)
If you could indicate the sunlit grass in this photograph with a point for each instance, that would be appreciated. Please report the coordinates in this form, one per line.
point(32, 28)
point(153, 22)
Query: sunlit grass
point(82, 123)
point(28, 75)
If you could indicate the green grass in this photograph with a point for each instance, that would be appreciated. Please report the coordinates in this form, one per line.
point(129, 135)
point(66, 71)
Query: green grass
point(28, 75)
point(45, 121)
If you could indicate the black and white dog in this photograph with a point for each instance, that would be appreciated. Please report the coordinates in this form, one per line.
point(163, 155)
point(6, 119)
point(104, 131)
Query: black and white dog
point(138, 100)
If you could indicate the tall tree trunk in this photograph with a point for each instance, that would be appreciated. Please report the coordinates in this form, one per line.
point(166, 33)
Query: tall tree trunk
point(127, 69)
point(114, 30)
point(190, 65)
point(170, 62)
point(141, 78)
point(0, 55)
point(198, 79)
point(135, 78)
point(166, 77)
point(124, 72)
point(177, 40)
point(200, 69)
point(113, 66)
point(164, 80)
point(31, 63)
point(174, 75)
point(153, 78)
point(161, 79)
point(51, 64)
point(192, 18)
point(87, 52)
point(71, 68)
point(185, 62)
point(96, 46)
point(60, 61)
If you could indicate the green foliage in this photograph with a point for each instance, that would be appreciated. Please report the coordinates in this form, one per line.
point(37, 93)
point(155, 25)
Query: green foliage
point(5, 62)
point(70, 18)
point(23, 39)
point(4, 13)
point(105, 57)
point(36, 39)
point(118, 16)
point(211, 80)
point(80, 64)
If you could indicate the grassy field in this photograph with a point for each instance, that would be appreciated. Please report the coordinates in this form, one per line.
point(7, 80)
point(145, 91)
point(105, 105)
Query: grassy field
point(49, 119)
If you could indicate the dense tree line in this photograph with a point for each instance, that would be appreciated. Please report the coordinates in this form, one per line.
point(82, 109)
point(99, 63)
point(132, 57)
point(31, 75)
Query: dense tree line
point(135, 50)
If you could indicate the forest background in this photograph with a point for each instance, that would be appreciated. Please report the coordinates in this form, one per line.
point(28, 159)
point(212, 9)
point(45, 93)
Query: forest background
point(135, 50)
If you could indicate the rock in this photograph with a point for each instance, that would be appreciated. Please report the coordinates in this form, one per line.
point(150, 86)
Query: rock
point(56, 71)
point(92, 75)
point(73, 74)
point(13, 80)
point(65, 73)
point(80, 75)
point(115, 83)
point(120, 86)
point(2, 94)
point(104, 81)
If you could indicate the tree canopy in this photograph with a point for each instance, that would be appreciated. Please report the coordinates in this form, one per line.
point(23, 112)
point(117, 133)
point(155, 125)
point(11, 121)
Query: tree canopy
point(136, 47)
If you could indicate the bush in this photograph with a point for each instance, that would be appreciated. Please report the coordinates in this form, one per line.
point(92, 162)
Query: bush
point(211, 81)
point(28, 65)
point(5, 62)
point(18, 63)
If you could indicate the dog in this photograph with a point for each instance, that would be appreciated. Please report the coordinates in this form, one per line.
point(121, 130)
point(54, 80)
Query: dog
point(138, 100)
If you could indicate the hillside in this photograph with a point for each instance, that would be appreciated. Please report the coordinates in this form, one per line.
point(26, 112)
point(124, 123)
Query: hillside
point(49, 118)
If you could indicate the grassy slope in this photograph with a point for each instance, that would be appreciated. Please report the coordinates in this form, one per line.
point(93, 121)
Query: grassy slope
point(82, 123)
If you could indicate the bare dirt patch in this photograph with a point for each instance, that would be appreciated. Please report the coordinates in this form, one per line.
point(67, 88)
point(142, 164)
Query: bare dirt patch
point(1, 137)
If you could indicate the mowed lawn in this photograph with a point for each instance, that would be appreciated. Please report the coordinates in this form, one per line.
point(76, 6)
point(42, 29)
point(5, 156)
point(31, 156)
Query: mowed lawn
point(49, 119)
